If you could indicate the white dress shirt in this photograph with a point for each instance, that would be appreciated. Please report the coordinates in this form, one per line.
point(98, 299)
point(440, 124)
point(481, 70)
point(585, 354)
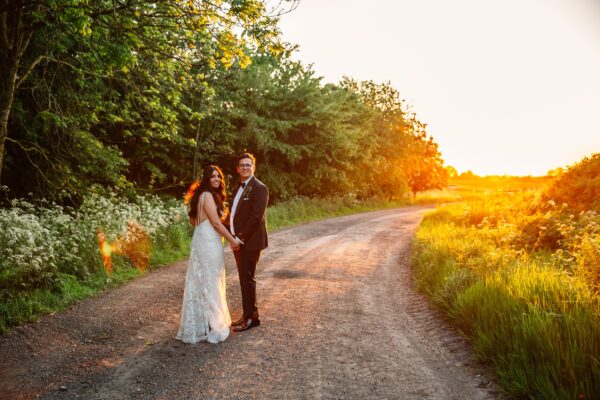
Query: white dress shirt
point(236, 200)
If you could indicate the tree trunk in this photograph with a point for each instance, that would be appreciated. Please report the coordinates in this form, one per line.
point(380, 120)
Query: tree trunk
point(14, 39)
point(8, 79)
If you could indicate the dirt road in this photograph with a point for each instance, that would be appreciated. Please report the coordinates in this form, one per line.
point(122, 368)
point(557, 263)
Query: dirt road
point(340, 320)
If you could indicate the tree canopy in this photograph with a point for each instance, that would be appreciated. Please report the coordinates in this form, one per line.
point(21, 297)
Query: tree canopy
point(139, 95)
point(79, 73)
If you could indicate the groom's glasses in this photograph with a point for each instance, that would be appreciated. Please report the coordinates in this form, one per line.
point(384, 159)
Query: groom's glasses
point(245, 165)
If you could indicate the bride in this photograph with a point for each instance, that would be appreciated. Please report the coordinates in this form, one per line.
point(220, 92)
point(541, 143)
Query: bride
point(204, 314)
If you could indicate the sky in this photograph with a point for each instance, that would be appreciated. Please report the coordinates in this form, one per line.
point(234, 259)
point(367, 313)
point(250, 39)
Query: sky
point(506, 87)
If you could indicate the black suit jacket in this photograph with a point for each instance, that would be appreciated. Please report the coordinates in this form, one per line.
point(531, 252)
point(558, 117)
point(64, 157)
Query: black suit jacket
point(249, 220)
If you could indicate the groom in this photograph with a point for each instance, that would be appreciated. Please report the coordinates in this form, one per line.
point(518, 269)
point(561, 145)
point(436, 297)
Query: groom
point(247, 224)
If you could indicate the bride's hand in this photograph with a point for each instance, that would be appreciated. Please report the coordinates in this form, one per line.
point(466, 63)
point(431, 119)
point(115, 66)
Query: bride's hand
point(235, 246)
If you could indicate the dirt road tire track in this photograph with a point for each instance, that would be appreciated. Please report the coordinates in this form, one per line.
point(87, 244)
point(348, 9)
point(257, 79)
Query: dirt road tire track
point(340, 320)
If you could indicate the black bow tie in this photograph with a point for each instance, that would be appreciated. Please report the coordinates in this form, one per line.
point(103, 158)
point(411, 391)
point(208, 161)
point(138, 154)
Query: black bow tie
point(243, 185)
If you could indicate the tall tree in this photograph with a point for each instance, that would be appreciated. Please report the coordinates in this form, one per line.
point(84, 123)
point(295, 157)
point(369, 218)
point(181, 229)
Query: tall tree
point(308, 137)
point(381, 172)
point(424, 167)
point(403, 156)
point(105, 39)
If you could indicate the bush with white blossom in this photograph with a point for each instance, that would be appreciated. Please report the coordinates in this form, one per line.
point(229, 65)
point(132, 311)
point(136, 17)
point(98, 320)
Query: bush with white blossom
point(40, 243)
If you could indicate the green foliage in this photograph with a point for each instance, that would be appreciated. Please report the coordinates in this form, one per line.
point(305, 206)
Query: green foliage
point(310, 139)
point(144, 94)
point(100, 87)
point(23, 243)
point(578, 187)
point(399, 155)
point(523, 285)
point(38, 244)
point(49, 255)
point(172, 244)
point(424, 168)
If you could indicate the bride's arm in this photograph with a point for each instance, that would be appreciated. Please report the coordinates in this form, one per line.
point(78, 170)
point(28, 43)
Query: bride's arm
point(210, 208)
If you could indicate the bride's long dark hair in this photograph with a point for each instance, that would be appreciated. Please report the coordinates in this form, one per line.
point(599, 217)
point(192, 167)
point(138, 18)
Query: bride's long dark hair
point(219, 194)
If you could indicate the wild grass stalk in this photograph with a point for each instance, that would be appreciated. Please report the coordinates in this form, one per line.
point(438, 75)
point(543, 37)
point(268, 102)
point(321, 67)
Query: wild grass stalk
point(527, 311)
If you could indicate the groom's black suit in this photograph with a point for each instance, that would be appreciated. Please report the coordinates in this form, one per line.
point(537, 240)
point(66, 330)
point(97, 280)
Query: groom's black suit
point(249, 223)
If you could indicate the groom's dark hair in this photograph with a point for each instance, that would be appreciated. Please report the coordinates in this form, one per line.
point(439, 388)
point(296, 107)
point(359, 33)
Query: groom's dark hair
point(246, 155)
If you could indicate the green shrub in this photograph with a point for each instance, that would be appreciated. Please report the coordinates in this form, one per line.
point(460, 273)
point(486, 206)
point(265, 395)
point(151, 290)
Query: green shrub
point(578, 187)
point(28, 258)
point(44, 248)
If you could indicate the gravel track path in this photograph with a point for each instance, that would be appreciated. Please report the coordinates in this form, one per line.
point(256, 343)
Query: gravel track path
point(340, 320)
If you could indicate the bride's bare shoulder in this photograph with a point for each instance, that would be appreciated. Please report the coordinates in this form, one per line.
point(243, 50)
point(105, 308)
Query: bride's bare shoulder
point(208, 199)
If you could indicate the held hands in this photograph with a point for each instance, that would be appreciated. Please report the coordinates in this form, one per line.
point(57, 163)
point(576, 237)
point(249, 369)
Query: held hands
point(235, 245)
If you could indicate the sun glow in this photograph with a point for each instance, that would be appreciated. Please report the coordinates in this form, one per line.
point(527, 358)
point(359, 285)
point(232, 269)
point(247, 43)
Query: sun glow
point(134, 244)
point(105, 251)
point(518, 101)
point(190, 192)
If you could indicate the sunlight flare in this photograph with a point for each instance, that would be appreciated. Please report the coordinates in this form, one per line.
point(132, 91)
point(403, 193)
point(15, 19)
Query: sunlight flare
point(105, 251)
point(134, 244)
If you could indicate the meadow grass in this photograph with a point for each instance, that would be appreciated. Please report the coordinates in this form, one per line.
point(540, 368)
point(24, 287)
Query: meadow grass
point(526, 310)
point(30, 305)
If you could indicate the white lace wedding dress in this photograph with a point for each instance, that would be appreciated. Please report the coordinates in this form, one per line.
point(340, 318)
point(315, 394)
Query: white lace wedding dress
point(204, 313)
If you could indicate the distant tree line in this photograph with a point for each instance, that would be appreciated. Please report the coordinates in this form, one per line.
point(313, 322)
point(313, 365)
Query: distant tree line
point(139, 95)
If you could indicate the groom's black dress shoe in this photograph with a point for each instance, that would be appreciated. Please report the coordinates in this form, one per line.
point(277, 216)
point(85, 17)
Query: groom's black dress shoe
point(247, 324)
point(238, 322)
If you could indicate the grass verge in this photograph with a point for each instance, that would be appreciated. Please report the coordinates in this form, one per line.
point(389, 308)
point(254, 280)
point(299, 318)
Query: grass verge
point(172, 244)
point(302, 210)
point(528, 315)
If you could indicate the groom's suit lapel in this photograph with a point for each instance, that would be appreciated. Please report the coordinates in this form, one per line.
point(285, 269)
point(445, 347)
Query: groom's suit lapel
point(247, 189)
